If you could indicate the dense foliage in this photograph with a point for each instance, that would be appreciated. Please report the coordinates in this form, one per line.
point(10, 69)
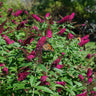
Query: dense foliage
point(39, 56)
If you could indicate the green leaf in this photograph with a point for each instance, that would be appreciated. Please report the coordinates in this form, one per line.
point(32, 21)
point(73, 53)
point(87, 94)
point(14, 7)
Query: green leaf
point(94, 88)
point(37, 83)
point(41, 66)
point(32, 80)
point(71, 92)
point(58, 85)
point(26, 64)
point(45, 89)
point(17, 86)
point(58, 70)
point(9, 87)
point(78, 83)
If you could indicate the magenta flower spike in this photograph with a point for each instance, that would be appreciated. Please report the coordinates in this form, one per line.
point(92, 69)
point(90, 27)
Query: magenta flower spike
point(55, 63)
point(26, 12)
point(71, 16)
point(49, 33)
point(63, 20)
point(84, 40)
point(47, 15)
point(23, 75)
point(20, 41)
point(10, 9)
point(61, 31)
point(18, 12)
point(43, 78)
point(81, 77)
point(82, 94)
point(1, 64)
point(59, 90)
point(40, 44)
point(5, 70)
point(13, 21)
point(70, 36)
point(62, 53)
point(90, 79)
point(31, 56)
point(88, 56)
point(89, 72)
point(60, 83)
point(59, 66)
point(34, 27)
point(36, 17)
point(8, 41)
point(83, 25)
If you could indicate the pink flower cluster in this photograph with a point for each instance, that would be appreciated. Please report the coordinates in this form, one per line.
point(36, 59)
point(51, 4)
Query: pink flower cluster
point(23, 75)
point(90, 79)
point(61, 31)
point(17, 13)
point(47, 15)
point(8, 41)
point(36, 17)
point(67, 18)
point(83, 94)
point(88, 56)
point(13, 21)
point(60, 83)
point(93, 93)
point(1, 64)
point(26, 12)
point(70, 36)
point(21, 25)
point(84, 40)
point(1, 27)
point(40, 44)
point(89, 73)
point(10, 9)
point(5, 69)
point(31, 56)
point(49, 33)
point(28, 40)
point(34, 27)
point(56, 62)
point(44, 80)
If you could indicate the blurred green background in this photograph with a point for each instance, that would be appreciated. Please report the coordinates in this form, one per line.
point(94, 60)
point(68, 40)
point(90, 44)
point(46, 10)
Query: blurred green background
point(84, 9)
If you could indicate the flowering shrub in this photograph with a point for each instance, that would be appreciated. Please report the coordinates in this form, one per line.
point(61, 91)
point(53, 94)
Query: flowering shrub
point(39, 56)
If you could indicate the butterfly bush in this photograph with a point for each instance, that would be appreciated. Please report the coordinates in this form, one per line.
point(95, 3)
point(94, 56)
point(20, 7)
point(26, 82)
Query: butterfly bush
point(25, 67)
